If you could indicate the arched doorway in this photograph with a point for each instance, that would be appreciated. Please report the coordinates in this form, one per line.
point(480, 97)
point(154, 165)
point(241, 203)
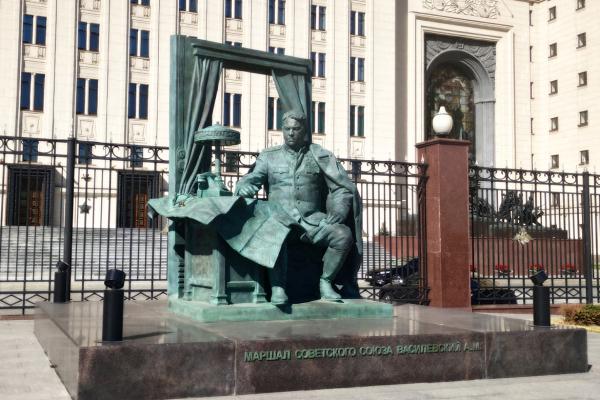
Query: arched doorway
point(452, 87)
point(459, 74)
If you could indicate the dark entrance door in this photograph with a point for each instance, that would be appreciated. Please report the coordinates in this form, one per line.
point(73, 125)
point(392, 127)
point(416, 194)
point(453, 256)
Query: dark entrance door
point(135, 188)
point(30, 195)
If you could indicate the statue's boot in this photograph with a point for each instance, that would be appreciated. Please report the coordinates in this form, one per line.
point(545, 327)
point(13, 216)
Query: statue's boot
point(277, 277)
point(332, 262)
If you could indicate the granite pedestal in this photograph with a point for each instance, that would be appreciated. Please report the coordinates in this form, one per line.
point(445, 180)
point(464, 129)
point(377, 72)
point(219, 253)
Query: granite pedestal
point(168, 356)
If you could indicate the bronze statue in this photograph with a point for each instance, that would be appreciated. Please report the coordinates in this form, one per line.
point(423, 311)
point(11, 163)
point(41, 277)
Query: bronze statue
point(312, 194)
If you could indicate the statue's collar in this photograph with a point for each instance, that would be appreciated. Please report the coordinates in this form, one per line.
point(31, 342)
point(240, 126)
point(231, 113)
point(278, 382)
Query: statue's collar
point(302, 149)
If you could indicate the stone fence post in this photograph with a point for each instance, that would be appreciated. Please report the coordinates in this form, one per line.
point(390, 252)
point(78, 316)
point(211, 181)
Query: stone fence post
point(447, 207)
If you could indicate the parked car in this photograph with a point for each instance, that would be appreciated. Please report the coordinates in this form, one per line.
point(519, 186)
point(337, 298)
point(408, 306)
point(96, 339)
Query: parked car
point(395, 274)
point(487, 295)
point(401, 284)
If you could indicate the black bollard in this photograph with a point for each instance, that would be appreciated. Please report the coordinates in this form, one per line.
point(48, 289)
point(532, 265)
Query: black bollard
point(112, 310)
point(112, 315)
point(60, 282)
point(541, 306)
point(541, 300)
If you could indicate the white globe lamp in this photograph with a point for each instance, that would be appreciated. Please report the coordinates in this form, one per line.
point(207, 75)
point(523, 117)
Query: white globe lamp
point(442, 123)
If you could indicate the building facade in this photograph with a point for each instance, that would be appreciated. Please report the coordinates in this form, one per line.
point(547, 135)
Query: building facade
point(518, 76)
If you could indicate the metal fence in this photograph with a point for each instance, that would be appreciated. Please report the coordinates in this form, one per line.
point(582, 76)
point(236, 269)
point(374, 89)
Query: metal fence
point(85, 203)
point(526, 221)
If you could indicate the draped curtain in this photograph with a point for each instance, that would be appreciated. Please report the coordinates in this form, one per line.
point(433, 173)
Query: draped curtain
point(198, 114)
point(294, 93)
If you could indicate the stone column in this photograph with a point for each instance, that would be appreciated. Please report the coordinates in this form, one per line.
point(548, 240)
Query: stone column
point(484, 132)
point(447, 207)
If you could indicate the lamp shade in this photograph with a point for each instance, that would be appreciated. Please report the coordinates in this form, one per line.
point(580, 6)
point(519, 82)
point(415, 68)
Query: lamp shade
point(217, 135)
point(442, 122)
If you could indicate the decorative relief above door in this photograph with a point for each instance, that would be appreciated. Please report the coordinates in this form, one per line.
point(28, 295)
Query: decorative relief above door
point(474, 8)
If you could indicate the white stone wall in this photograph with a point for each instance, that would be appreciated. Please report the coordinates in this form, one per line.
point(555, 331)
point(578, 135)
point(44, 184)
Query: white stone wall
point(570, 139)
point(393, 91)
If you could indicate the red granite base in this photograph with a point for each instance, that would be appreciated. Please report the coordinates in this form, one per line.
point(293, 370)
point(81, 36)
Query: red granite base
point(165, 356)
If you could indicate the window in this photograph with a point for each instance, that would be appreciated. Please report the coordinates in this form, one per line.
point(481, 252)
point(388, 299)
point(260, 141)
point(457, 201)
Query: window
point(84, 153)
point(552, 50)
point(553, 87)
point(27, 28)
point(318, 64)
point(30, 150)
point(554, 161)
point(531, 90)
point(274, 114)
point(357, 69)
point(136, 156)
point(553, 124)
point(234, 44)
point(34, 29)
point(580, 4)
point(139, 43)
point(277, 12)
point(581, 40)
point(138, 101)
point(530, 17)
point(357, 121)
point(32, 98)
point(318, 16)
point(232, 162)
point(188, 5)
point(583, 78)
point(87, 96)
point(531, 126)
point(277, 50)
point(552, 13)
point(555, 202)
point(357, 23)
point(233, 9)
point(88, 36)
point(584, 157)
point(318, 120)
point(141, 2)
point(583, 118)
point(232, 109)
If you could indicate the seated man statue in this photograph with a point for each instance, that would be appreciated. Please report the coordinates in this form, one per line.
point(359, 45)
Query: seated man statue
point(312, 194)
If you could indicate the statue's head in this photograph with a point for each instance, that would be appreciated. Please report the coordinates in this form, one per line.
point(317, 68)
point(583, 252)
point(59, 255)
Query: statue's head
point(294, 129)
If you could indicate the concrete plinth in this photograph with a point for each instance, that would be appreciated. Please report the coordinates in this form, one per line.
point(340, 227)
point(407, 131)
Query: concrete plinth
point(320, 309)
point(166, 356)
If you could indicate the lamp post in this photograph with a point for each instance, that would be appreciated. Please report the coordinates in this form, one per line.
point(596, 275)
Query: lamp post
point(442, 123)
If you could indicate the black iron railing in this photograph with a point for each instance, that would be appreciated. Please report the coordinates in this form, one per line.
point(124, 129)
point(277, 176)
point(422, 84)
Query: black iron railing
point(525, 221)
point(84, 203)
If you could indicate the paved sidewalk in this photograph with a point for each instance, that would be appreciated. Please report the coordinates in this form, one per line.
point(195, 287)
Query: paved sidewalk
point(25, 374)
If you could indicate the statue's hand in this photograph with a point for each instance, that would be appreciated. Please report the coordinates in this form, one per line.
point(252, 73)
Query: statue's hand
point(246, 190)
point(333, 218)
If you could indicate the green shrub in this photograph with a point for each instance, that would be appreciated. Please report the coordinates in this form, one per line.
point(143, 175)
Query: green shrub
point(568, 311)
point(582, 315)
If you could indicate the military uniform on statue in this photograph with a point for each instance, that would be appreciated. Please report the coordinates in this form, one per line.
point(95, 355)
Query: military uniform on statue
point(311, 193)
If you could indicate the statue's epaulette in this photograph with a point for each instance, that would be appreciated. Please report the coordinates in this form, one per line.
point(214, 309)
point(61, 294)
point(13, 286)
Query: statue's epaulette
point(270, 149)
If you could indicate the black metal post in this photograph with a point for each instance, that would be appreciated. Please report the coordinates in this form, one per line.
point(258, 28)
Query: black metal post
point(70, 194)
point(587, 239)
point(541, 305)
point(112, 310)
point(60, 286)
point(356, 168)
point(112, 315)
